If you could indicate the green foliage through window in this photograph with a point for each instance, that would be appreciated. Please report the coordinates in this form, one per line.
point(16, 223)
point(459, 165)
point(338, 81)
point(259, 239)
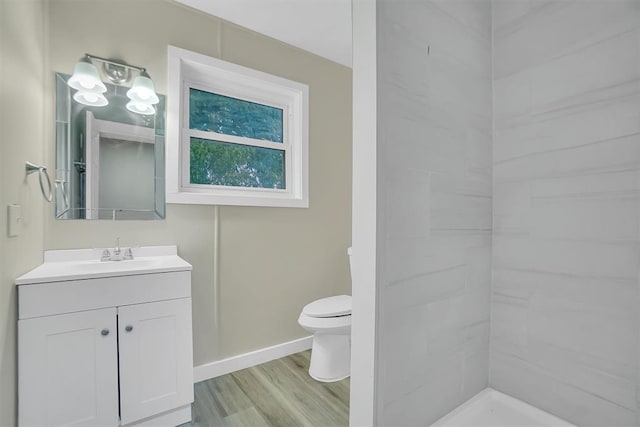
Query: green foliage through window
point(212, 112)
point(223, 163)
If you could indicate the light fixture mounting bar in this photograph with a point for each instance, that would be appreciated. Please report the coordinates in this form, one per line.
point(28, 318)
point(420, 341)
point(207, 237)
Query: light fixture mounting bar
point(112, 62)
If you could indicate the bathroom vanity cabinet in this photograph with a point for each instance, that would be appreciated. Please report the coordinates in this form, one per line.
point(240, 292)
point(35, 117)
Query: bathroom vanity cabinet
point(112, 348)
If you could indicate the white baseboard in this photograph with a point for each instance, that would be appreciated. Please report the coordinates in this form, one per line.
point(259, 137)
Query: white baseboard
point(247, 360)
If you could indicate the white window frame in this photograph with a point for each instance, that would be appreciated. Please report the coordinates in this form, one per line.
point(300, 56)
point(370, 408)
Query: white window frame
point(192, 70)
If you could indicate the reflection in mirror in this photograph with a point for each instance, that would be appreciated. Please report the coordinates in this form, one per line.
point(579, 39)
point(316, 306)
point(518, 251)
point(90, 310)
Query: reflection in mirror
point(109, 160)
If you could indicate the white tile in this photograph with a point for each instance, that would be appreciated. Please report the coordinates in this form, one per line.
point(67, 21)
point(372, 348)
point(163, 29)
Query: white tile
point(407, 258)
point(460, 181)
point(513, 96)
point(534, 385)
point(587, 125)
point(476, 306)
point(561, 82)
point(408, 203)
point(579, 330)
point(417, 145)
point(426, 288)
point(442, 389)
point(478, 151)
point(476, 375)
point(615, 183)
point(604, 295)
point(478, 263)
point(525, 46)
point(581, 258)
point(573, 360)
point(512, 206)
point(426, 22)
point(614, 155)
point(604, 218)
point(473, 14)
point(407, 57)
point(460, 212)
point(443, 317)
point(506, 11)
point(576, 78)
point(402, 359)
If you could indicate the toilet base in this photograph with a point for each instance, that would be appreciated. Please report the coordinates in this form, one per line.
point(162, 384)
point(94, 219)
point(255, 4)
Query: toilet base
point(330, 357)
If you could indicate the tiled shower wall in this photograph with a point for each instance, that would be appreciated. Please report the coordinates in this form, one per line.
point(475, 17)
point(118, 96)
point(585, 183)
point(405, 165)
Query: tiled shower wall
point(434, 168)
point(566, 165)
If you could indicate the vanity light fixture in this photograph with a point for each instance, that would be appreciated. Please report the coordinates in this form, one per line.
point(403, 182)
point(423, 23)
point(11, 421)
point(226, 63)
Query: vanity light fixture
point(143, 90)
point(86, 78)
point(90, 89)
point(94, 99)
point(142, 95)
point(86, 81)
point(141, 108)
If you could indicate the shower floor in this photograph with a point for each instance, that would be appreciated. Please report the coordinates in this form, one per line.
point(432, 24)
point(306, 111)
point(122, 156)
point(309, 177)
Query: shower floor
point(490, 408)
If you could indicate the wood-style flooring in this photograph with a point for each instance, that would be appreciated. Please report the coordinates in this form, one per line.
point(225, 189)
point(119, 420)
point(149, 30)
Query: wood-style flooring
point(279, 393)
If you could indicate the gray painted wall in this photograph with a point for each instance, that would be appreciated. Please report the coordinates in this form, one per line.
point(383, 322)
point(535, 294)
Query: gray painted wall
point(434, 174)
point(566, 215)
point(22, 129)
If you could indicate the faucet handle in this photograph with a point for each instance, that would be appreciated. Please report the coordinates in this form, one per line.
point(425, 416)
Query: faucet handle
point(106, 255)
point(128, 254)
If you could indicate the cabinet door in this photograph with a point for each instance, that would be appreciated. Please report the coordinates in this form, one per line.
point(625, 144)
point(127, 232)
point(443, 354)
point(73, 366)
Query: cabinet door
point(68, 369)
point(156, 358)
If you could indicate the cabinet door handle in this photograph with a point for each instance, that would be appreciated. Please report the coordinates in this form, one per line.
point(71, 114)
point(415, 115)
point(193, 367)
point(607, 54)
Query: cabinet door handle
point(128, 328)
point(104, 332)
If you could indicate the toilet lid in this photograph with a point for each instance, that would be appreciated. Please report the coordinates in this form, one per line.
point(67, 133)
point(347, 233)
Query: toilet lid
point(339, 305)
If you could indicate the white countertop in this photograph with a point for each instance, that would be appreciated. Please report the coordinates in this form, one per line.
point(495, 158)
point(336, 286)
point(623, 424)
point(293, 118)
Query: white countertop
point(79, 264)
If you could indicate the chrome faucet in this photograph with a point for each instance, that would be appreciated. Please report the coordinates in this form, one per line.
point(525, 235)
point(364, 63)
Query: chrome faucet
point(117, 253)
point(116, 250)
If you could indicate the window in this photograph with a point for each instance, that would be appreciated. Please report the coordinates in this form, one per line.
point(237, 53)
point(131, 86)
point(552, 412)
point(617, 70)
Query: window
point(235, 136)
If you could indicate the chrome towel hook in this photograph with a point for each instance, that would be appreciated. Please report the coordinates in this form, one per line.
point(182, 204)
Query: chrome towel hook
point(31, 168)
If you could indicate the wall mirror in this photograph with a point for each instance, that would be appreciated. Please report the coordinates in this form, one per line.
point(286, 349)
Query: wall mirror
point(109, 152)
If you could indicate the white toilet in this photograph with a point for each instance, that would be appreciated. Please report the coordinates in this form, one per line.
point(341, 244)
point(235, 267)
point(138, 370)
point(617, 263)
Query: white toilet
point(329, 319)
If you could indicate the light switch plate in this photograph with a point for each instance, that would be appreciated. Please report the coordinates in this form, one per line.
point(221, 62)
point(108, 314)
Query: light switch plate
point(14, 219)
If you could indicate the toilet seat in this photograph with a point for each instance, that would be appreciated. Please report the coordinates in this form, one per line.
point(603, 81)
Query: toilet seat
point(336, 306)
point(336, 324)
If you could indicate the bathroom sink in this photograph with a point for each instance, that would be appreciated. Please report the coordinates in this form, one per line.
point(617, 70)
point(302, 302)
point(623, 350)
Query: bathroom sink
point(124, 265)
point(85, 264)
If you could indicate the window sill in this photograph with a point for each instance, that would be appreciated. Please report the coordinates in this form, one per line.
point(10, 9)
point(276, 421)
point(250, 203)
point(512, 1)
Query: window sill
point(185, 197)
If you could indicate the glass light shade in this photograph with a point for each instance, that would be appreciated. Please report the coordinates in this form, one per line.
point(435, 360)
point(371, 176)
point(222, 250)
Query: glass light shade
point(143, 91)
point(85, 78)
point(141, 108)
point(94, 99)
